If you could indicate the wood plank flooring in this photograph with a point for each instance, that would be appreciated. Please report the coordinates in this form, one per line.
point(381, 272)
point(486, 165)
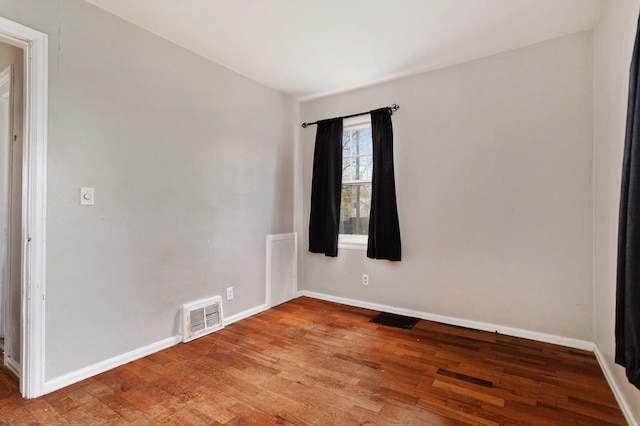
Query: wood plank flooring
point(310, 362)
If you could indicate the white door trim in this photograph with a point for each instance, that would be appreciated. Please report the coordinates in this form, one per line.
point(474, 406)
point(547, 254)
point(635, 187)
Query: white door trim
point(34, 202)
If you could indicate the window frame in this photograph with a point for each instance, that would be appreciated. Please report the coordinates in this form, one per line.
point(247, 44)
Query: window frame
point(352, 241)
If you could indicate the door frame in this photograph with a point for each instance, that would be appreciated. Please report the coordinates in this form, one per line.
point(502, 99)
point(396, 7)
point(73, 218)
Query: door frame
point(34, 203)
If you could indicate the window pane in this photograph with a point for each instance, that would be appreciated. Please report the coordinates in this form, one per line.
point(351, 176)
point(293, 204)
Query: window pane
point(355, 142)
point(365, 202)
point(348, 169)
point(346, 142)
point(364, 141)
point(354, 209)
point(357, 166)
point(366, 168)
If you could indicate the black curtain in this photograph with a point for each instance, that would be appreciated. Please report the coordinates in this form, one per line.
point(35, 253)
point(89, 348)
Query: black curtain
point(326, 187)
point(628, 276)
point(384, 229)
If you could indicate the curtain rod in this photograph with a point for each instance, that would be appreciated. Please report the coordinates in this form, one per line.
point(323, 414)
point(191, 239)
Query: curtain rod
point(393, 108)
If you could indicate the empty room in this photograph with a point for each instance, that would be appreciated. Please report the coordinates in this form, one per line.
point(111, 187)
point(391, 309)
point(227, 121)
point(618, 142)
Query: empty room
point(346, 212)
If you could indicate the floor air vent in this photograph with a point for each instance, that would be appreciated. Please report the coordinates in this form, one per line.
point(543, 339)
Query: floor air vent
point(201, 317)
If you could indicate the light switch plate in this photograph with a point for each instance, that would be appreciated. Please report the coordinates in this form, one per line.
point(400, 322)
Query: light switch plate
point(86, 197)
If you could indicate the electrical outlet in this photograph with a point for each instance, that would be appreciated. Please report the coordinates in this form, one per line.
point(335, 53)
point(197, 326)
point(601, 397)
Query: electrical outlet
point(229, 293)
point(365, 279)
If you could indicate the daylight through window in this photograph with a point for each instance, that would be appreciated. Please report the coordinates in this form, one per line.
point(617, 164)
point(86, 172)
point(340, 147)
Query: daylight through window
point(357, 166)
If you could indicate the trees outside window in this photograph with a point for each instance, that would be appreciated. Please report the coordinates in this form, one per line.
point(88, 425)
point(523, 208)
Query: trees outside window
point(357, 167)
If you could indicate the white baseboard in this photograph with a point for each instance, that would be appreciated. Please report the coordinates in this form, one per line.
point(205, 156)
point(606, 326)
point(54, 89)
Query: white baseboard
point(95, 369)
point(477, 325)
point(245, 314)
point(613, 384)
point(92, 370)
point(542, 337)
point(13, 366)
point(108, 364)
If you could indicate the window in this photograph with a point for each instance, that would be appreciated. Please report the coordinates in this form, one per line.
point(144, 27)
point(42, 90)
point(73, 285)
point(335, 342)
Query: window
point(357, 167)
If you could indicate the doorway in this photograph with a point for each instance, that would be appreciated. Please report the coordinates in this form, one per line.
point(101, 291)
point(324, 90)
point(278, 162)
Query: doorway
point(31, 234)
point(11, 138)
point(6, 132)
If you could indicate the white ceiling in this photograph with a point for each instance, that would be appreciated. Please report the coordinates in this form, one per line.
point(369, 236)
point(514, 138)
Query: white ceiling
point(311, 48)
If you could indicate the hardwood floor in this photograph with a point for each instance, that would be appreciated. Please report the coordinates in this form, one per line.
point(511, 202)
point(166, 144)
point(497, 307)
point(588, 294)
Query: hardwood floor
point(309, 362)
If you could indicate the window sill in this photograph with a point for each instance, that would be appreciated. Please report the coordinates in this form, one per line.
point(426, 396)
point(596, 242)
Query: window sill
point(352, 242)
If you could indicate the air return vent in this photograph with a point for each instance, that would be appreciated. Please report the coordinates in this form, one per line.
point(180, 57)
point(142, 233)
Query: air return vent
point(201, 317)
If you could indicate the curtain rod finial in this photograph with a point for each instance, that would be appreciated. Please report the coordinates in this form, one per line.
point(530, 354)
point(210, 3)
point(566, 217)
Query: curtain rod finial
point(304, 125)
point(394, 108)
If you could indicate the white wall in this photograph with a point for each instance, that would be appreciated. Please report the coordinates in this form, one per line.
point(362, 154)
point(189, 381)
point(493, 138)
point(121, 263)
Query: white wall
point(493, 175)
point(192, 168)
point(615, 36)
point(10, 55)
